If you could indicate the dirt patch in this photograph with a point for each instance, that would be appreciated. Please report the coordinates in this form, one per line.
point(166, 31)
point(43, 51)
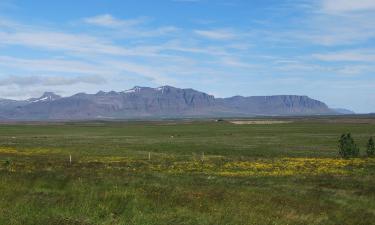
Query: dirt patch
point(241, 122)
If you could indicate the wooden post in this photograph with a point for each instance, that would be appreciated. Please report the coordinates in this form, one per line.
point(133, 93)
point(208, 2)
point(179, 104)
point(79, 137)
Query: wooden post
point(149, 155)
point(70, 159)
point(202, 156)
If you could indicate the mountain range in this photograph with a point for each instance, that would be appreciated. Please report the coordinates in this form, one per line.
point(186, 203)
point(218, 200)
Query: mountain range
point(161, 102)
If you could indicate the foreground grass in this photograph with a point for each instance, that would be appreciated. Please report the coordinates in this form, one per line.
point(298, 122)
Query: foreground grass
point(112, 181)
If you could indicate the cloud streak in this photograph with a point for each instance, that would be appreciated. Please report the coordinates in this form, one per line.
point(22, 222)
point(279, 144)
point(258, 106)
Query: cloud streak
point(347, 56)
point(221, 34)
point(344, 6)
point(24, 81)
point(107, 20)
point(53, 65)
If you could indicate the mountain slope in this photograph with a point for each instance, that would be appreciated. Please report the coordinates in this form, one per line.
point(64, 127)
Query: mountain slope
point(344, 111)
point(276, 105)
point(46, 97)
point(165, 101)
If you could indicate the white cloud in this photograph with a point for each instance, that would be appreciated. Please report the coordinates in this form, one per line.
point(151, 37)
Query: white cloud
point(129, 28)
point(344, 6)
point(236, 63)
point(154, 32)
point(347, 56)
point(355, 70)
point(99, 56)
point(107, 20)
point(61, 41)
point(334, 23)
point(82, 42)
point(53, 65)
point(49, 80)
point(219, 34)
point(76, 43)
point(102, 67)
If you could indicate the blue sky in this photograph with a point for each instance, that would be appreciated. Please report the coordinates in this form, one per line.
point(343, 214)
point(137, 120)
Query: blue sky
point(323, 48)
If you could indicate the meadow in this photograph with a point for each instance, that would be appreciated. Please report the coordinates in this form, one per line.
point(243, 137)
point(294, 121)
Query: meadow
point(186, 172)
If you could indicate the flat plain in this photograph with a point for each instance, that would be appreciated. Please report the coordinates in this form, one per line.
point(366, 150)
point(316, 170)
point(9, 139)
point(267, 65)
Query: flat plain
point(186, 172)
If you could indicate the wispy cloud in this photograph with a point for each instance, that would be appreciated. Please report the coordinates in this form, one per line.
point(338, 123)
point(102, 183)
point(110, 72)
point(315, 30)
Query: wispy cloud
point(53, 65)
point(218, 34)
point(355, 70)
point(326, 23)
point(52, 40)
point(361, 55)
point(49, 80)
point(85, 53)
point(333, 30)
point(129, 28)
point(107, 20)
point(344, 6)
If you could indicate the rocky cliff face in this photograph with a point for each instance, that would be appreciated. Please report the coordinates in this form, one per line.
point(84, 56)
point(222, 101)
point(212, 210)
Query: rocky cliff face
point(165, 101)
point(277, 105)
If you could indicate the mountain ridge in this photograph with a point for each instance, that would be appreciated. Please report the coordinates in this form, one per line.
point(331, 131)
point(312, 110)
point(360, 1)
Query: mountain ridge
point(163, 102)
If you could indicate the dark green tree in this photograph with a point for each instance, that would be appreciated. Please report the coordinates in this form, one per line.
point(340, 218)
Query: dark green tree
point(370, 147)
point(347, 146)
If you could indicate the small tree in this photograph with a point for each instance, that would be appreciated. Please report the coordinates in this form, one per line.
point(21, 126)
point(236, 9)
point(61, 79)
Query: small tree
point(370, 147)
point(347, 147)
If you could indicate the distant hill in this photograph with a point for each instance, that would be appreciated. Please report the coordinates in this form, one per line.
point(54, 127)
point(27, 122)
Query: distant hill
point(344, 111)
point(161, 102)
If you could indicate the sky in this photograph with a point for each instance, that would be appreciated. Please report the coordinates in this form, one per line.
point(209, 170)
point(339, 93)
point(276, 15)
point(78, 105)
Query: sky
point(324, 49)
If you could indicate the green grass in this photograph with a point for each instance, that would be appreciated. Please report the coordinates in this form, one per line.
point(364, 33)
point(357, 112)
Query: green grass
point(250, 174)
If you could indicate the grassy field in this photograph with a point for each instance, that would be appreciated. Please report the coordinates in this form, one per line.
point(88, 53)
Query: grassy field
point(186, 172)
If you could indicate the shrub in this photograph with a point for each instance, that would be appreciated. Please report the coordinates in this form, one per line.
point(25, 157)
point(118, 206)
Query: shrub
point(7, 162)
point(370, 147)
point(347, 147)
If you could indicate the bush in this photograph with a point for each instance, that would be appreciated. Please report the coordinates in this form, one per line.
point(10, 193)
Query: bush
point(370, 147)
point(7, 162)
point(347, 147)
